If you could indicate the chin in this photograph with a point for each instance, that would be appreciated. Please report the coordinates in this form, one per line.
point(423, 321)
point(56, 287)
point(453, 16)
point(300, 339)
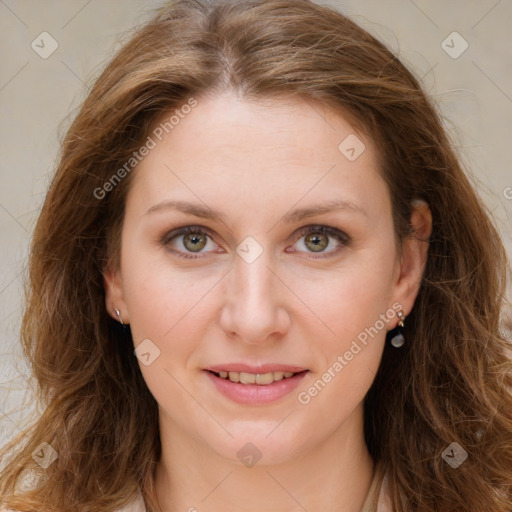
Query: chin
point(260, 443)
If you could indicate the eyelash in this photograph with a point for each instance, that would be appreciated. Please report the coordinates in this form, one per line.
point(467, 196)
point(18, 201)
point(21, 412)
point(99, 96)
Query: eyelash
point(342, 237)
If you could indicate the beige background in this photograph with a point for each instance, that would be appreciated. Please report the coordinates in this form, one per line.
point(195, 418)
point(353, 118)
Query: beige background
point(39, 96)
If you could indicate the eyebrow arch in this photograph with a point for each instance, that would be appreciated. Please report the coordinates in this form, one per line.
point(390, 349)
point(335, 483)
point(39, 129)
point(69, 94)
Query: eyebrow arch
point(327, 207)
point(188, 208)
point(297, 215)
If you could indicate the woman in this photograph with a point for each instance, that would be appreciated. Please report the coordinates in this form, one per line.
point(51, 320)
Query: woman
point(261, 281)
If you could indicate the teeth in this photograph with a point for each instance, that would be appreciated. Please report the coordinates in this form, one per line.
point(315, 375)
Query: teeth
point(264, 378)
point(255, 378)
point(247, 378)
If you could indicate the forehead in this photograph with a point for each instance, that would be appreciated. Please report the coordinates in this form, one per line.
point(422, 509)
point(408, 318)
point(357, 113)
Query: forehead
point(259, 154)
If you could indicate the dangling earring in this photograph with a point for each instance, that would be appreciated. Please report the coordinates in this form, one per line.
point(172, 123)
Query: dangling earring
point(118, 313)
point(125, 328)
point(398, 339)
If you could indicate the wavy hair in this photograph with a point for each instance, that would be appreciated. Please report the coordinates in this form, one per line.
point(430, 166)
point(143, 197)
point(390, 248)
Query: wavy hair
point(451, 382)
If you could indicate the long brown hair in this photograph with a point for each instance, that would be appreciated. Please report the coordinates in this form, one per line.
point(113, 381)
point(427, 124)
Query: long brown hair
point(450, 382)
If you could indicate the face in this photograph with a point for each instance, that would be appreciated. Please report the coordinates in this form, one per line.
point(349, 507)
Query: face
point(226, 267)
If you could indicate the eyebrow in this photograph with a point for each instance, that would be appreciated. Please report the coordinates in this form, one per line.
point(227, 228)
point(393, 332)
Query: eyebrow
point(204, 212)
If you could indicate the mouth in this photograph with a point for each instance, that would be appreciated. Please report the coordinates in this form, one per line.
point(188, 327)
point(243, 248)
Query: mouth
point(255, 385)
point(262, 379)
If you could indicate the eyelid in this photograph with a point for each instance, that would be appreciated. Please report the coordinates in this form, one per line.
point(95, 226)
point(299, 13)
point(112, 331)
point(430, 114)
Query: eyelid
point(323, 228)
point(183, 230)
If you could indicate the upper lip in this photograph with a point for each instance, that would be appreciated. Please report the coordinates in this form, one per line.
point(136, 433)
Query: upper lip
point(261, 369)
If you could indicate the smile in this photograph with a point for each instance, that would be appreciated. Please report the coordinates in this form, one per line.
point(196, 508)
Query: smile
point(255, 378)
point(255, 388)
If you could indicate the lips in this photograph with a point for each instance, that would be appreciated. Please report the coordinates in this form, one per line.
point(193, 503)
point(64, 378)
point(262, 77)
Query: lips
point(255, 385)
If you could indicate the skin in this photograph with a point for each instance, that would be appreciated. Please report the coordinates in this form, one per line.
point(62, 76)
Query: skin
point(255, 162)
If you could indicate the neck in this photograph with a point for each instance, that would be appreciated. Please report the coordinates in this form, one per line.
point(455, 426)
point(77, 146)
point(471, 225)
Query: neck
point(334, 476)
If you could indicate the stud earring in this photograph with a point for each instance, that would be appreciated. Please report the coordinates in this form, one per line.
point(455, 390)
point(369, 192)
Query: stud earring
point(118, 313)
point(398, 339)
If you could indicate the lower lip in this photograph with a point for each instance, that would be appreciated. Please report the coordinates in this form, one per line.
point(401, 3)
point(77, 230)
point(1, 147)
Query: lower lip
point(256, 393)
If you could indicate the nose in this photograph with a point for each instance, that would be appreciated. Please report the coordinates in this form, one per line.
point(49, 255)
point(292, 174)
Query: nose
point(254, 308)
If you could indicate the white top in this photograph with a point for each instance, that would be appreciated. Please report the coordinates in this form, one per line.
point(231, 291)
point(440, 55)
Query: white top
point(135, 506)
point(377, 499)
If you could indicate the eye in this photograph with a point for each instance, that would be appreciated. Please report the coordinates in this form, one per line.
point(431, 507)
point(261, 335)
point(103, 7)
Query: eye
point(316, 239)
point(189, 238)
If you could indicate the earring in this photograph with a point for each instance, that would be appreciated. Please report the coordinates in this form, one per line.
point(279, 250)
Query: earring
point(118, 313)
point(398, 339)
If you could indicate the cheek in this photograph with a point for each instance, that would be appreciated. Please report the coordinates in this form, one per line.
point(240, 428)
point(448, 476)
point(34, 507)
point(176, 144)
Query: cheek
point(168, 307)
point(174, 308)
point(348, 354)
point(352, 298)
point(162, 300)
point(353, 306)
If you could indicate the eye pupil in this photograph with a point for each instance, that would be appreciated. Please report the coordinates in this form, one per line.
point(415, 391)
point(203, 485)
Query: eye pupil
point(319, 241)
point(198, 241)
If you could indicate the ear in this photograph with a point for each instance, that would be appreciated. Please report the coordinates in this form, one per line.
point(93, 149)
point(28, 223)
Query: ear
point(414, 256)
point(114, 294)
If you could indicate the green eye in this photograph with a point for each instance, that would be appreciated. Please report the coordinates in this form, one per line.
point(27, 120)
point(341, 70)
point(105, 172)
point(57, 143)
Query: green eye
point(317, 239)
point(195, 238)
point(194, 241)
